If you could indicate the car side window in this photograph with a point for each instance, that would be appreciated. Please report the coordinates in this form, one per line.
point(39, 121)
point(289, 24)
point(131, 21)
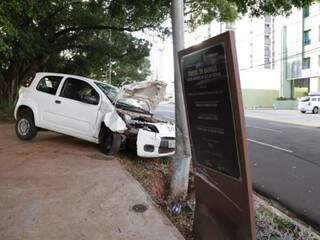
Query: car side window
point(313, 99)
point(49, 84)
point(80, 91)
point(318, 99)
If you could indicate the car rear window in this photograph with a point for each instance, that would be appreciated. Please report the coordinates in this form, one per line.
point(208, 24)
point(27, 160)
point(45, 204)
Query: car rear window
point(49, 84)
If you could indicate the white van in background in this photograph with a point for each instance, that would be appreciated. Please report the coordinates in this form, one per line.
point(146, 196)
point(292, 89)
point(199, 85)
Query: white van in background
point(310, 103)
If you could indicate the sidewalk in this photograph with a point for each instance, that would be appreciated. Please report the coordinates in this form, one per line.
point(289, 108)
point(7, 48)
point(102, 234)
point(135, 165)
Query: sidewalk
point(286, 116)
point(58, 187)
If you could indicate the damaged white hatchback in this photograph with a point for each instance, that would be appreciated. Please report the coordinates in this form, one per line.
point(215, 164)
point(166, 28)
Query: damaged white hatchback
point(93, 111)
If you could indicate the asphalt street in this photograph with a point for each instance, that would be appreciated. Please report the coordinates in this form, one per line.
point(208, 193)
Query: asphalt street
point(285, 161)
point(286, 165)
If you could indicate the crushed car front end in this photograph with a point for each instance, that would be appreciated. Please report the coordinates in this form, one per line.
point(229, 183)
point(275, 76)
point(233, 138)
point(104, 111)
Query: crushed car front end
point(150, 137)
point(156, 144)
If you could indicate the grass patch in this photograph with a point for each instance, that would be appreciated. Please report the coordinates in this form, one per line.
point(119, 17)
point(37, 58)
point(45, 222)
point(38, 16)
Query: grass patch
point(273, 225)
point(6, 110)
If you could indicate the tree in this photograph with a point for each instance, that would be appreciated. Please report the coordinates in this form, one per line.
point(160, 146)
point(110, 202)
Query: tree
point(72, 36)
point(198, 13)
point(126, 54)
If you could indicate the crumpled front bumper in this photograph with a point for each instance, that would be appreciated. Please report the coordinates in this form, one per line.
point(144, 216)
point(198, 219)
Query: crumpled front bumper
point(151, 144)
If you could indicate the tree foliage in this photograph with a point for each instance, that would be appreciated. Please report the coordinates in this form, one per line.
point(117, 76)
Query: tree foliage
point(85, 36)
point(81, 37)
point(202, 12)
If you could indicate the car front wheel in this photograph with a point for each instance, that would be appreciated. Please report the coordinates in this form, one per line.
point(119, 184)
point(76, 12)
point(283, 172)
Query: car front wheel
point(110, 143)
point(26, 128)
point(303, 111)
point(315, 110)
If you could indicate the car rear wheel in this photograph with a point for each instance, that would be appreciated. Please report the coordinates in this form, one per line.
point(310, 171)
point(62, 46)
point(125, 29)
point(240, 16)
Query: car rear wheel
point(315, 110)
point(26, 128)
point(110, 143)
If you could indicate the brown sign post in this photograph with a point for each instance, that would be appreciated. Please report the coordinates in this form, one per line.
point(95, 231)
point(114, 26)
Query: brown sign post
point(211, 85)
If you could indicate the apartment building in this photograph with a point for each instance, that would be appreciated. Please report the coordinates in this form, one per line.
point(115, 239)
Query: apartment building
point(311, 47)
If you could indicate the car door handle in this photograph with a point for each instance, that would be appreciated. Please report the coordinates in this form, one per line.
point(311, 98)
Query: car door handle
point(57, 101)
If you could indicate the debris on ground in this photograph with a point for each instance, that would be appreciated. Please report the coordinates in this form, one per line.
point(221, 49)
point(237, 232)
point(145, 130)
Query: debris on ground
point(154, 175)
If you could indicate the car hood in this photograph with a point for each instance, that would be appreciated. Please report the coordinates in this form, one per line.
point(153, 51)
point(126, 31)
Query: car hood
point(151, 92)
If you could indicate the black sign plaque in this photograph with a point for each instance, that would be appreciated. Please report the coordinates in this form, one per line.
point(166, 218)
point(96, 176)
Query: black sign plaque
point(206, 82)
point(212, 95)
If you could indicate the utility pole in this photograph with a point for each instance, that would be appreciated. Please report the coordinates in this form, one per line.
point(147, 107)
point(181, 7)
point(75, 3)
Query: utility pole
point(182, 158)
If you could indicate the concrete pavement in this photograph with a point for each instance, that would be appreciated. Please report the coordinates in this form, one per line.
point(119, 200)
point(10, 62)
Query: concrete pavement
point(58, 187)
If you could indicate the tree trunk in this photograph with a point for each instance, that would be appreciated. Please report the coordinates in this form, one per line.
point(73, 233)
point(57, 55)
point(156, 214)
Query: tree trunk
point(17, 72)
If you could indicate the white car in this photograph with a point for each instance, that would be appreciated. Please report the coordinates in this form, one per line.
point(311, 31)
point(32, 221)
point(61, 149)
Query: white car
point(93, 111)
point(310, 104)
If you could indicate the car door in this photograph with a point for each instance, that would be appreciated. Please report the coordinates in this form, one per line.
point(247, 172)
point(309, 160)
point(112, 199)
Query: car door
point(76, 108)
point(44, 96)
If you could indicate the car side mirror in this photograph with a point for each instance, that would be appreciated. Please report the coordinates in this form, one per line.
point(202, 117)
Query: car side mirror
point(90, 99)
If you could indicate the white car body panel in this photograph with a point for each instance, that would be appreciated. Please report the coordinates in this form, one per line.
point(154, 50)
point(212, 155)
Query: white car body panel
point(83, 120)
point(150, 138)
point(114, 122)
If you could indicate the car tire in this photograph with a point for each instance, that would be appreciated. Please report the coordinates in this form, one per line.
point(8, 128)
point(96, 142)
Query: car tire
point(315, 110)
point(25, 127)
point(110, 142)
point(303, 111)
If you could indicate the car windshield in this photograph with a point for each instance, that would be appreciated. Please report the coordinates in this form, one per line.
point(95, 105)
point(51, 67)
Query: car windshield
point(113, 93)
point(110, 91)
point(304, 99)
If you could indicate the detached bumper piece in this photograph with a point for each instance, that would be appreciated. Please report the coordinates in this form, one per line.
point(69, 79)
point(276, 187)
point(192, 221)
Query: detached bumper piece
point(150, 144)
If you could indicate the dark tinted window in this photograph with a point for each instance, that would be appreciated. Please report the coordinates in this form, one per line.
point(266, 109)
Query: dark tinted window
point(49, 84)
point(80, 91)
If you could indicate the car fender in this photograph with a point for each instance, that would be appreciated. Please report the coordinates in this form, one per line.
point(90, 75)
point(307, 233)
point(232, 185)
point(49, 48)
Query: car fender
point(114, 122)
point(32, 105)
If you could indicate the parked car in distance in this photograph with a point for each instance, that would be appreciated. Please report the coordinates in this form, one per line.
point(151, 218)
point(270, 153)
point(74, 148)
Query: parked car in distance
point(93, 111)
point(310, 103)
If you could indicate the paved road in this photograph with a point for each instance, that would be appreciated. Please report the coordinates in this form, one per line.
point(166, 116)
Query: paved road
point(285, 162)
point(165, 111)
point(286, 165)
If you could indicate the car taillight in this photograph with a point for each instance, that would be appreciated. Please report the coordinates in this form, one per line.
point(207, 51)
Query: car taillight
point(28, 81)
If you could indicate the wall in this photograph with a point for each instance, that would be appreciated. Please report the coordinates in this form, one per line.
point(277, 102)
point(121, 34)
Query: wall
point(259, 98)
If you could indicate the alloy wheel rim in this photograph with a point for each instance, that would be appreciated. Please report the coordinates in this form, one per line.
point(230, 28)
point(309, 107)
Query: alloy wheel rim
point(23, 126)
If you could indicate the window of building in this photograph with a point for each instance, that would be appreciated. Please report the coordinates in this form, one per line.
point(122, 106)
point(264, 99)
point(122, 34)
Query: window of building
point(49, 84)
point(306, 12)
point(267, 40)
point(306, 37)
point(306, 63)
